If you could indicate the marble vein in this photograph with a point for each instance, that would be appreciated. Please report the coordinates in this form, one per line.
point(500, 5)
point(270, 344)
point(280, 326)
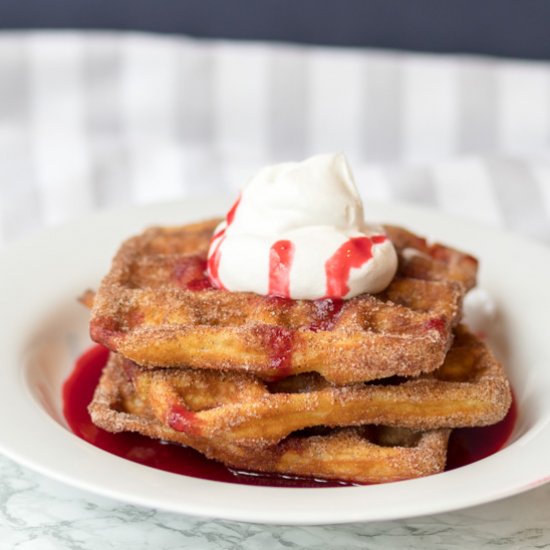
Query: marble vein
point(37, 513)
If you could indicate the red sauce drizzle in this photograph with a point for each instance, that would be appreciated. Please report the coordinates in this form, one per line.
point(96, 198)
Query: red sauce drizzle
point(278, 341)
point(232, 211)
point(281, 255)
point(190, 273)
point(182, 420)
point(280, 344)
point(200, 284)
point(466, 445)
point(213, 264)
point(352, 254)
point(438, 324)
point(326, 314)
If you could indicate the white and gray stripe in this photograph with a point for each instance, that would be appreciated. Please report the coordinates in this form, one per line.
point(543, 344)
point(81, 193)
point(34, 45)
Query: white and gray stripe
point(89, 120)
point(20, 210)
point(101, 65)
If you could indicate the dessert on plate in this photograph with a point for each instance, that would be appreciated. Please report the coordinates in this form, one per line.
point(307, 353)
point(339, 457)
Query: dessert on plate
point(294, 338)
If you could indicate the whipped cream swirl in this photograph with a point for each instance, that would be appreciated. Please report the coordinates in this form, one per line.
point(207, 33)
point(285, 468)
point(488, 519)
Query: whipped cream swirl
point(298, 231)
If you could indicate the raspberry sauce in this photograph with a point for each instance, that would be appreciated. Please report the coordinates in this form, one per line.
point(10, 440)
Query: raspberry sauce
point(326, 314)
point(279, 341)
point(190, 273)
point(182, 420)
point(465, 446)
point(215, 259)
point(281, 255)
point(352, 254)
point(216, 256)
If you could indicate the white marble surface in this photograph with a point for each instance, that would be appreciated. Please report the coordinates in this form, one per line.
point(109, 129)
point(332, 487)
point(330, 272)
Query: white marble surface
point(37, 513)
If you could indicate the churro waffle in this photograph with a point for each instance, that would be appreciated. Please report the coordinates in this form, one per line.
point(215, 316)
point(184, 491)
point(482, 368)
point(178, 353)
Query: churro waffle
point(469, 389)
point(348, 361)
point(420, 259)
point(156, 307)
point(366, 454)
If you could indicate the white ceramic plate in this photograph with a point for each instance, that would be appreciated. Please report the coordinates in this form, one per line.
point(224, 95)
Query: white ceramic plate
point(44, 329)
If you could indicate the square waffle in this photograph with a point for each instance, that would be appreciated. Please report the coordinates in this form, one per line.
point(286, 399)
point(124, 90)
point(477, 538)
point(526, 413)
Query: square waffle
point(157, 308)
point(364, 454)
point(469, 389)
point(365, 390)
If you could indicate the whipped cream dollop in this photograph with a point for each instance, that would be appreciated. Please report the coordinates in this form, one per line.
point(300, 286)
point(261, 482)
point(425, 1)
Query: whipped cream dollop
point(298, 231)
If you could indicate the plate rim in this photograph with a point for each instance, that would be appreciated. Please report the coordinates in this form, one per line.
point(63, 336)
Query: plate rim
point(255, 514)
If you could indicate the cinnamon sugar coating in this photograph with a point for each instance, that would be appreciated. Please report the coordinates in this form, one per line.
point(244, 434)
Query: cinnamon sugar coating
point(366, 454)
point(469, 389)
point(364, 390)
point(155, 308)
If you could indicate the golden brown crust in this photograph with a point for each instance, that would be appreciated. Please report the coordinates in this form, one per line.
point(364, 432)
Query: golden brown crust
point(434, 261)
point(282, 386)
point(87, 298)
point(144, 311)
point(469, 389)
point(362, 455)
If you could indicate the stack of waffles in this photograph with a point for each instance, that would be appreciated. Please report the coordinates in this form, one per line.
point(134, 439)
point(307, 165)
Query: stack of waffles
point(363, 390)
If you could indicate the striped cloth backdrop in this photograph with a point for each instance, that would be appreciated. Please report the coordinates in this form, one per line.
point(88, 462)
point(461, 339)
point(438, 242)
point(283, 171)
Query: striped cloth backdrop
point(91, 120)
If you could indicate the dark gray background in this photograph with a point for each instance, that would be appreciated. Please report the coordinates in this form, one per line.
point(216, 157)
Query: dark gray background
point(514, 28)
